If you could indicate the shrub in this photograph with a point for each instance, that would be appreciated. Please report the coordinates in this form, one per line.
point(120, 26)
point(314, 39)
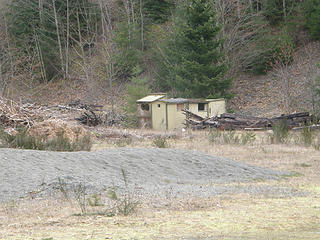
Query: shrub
point(63, 144)
point(123, 142)
point(83, 144)
point(59, 144)
point(80, 193)
point(160, 142)
point(248, 138)
point(214, 135)
point(230, 137)
point(280, 131)
point(21, 140)
point(307, 135)
point(223, 137)
point(125, 204)
point(95, 200)
point(24, 140)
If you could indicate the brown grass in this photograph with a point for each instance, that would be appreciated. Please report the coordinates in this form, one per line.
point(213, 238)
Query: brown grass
point(237, 216)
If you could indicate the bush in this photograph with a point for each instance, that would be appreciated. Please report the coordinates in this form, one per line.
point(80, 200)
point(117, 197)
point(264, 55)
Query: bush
point(248, 138)
point(123, 142)
point(223, 137)
point(63, 144)
point(80, 193)
point(280, 131)
point(24, 140)
point(21, 140)
point(307, 136)
point(160, 142)
point(125, 204)
point(230, 137)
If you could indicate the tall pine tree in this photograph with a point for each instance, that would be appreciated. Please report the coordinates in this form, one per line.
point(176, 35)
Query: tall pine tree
point(157, 11)
point(192, 62)
point(313, 18)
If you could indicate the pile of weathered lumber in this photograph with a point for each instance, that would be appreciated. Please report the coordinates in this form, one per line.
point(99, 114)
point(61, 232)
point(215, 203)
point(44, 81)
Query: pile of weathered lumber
point(229, 121)
point(13, 114)
point(93, 115)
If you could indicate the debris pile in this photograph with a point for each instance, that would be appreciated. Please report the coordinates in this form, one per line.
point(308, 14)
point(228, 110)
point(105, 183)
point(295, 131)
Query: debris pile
point(13, 115)
point(53, 127)
point(228, 121)
point(89, 118)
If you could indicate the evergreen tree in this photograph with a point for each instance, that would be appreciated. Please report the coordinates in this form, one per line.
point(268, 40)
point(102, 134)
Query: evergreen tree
point(273, 11)
point(313, 18)
point(276, 11)
point(192, 63)
point(157, 11)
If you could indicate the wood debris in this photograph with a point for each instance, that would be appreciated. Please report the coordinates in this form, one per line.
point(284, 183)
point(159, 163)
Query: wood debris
point(89, 118)
point(14, 115)
point(229, 121)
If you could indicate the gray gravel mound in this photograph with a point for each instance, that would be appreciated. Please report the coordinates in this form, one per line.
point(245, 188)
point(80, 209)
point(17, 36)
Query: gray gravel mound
point(153, 171)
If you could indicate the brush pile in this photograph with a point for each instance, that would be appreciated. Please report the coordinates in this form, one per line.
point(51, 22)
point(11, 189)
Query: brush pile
point(89, 118)
point(228, 121)
point(13, 114)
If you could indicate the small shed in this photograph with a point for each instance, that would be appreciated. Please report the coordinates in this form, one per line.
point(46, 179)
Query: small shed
point(160, 113)
point(144, 109)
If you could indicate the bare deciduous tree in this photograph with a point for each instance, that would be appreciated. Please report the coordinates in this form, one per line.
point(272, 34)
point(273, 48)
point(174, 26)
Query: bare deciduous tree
point(58, 35)
point(282, 71)
point(311, 73)
point(108, 49)
point(240, 28)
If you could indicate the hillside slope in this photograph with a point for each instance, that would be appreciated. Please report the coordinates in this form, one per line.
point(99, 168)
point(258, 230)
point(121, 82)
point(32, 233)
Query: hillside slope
point(257, 95)
point(264, 95)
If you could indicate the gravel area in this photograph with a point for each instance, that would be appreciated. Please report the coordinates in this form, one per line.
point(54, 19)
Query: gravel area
point(151, 171)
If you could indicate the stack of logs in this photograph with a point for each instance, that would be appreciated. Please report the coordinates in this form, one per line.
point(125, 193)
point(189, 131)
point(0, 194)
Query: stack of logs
point(228, 121)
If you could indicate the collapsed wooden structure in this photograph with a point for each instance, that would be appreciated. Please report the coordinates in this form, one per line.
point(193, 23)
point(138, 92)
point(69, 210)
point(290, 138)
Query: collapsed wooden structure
point(229, 121)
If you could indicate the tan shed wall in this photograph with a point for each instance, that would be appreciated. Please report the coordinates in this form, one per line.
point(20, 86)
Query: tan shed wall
point(159, 116)
point(167, 117)
point(176, 118)
point(144, 117)
point(216, 108)
point(193, 107)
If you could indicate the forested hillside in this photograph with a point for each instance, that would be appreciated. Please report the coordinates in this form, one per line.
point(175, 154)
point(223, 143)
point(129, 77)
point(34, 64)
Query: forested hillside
point(260, 54)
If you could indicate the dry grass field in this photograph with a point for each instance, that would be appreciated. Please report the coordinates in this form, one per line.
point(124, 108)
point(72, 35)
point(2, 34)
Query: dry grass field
point(225, 216)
